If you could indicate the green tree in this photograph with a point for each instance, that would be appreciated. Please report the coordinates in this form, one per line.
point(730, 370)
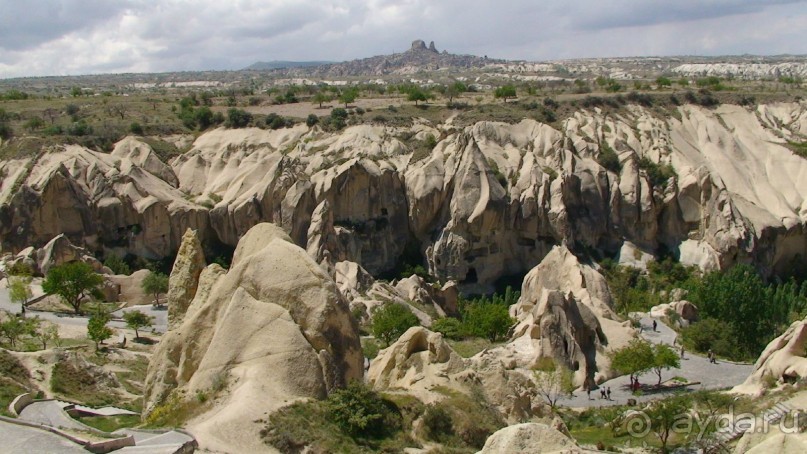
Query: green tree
point(416, 94)
point(455, 90)
point(663, 82)
point(73, 282)
point(97, 329)
point(19, 290)
point(449, 327)
point(136, 320)
point(12, 329)
point(321, 97)
point(504, 92)
point(633, 359)
point(554, 381)
point(311, 120)
point(664, 357)
point(665, 414)
point(391, 320)
point(156, 284)
point(348, 96)
point(47, 332)
point(488, 320)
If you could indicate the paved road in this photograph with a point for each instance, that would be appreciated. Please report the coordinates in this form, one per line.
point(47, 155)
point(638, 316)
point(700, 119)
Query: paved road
point(50, 413)
point(24, 440)
point(61, 318)
point(693, 367)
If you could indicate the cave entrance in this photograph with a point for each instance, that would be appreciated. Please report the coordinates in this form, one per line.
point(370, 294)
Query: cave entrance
point(471, 277)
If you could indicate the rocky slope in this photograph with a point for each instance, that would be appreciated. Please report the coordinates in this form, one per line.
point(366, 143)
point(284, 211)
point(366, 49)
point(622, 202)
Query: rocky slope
point(272, 330)
point(489, 200)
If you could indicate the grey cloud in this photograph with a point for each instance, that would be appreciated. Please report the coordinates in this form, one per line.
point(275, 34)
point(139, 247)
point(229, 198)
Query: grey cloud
point(27, 24)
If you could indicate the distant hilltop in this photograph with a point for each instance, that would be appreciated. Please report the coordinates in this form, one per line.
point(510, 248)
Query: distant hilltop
point(283, 64)
point(419, 57)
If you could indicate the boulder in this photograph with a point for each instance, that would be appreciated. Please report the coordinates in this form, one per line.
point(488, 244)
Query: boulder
point(352, 280)
point(529, 437)
point(783, 360)
point(418, 44)
point(59, 251)
point(184, 276)
point(272, 330)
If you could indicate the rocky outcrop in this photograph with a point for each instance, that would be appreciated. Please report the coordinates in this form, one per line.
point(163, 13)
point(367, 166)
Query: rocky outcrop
point(783, 360)
point(272, 329)
point(529, 437)
point(684, 309)
point(59, 251)
point(565, 313)
point(489, 200)
point(184, 278)
point(131, 288)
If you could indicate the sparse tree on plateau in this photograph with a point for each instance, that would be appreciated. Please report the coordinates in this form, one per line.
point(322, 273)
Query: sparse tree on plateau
point(322, 97)
point(348, 96)
point(507, 91)
point(416, 94)
point(74, 282)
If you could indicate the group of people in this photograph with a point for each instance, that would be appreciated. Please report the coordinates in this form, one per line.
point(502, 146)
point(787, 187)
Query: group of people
point(634, 384)
point(605, 393)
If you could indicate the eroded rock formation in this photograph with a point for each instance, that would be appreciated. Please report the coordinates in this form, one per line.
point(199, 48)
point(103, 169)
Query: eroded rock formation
point(783, 360)
point(271, 330)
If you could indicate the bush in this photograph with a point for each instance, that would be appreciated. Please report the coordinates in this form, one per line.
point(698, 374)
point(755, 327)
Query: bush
point(117, 265)
point(608, 158)
point(237, 118)
point(438, 423)
point(361, 412)
point(449, 327)
point(391, 320)
point(658, 174)
point(488, 320)
point(311, 120)
point(710, 334)
point(136, 128)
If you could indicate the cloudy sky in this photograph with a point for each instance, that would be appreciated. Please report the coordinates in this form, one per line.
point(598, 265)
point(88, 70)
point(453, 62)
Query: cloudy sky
point(67, 37)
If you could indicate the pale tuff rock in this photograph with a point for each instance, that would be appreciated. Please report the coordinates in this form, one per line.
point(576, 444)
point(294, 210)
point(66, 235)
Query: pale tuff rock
point(351, 279)
point(141, 155)
point(565, 313)
point(273, 329)
point(683, 308)
point(59, 251)
point(420, 360)
point(489, 200)
point(184, 276)
point(529, 437)
point(131, 288)
point(783, 360)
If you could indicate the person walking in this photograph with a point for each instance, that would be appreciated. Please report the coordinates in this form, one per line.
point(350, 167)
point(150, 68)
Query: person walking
point(588, 391)
point(655, 325)
point(608, 392)
point(682, 352)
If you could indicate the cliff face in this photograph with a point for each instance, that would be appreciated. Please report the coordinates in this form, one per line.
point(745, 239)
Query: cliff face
point(489, 200)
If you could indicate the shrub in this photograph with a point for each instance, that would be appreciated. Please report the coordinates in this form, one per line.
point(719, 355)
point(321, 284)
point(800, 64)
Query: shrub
point(136, 128)
point(311, 120)
point(608, 158)
point(658, 174)
point(438, 423)
point(237, 118)
point(488, 320)
point(360, 411)
point(117, 265)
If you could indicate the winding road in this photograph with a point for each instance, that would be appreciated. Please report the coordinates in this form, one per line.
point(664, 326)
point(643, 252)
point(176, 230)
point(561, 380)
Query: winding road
point(694, 368)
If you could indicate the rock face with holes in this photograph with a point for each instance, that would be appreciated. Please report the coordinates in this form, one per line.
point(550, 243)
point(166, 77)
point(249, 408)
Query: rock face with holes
point(489, 200)
point(184, 278)
point(271, 330)
point(783, 360)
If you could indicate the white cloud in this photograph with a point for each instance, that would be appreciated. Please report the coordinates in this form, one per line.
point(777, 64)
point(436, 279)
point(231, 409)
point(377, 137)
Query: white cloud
point(54, 37)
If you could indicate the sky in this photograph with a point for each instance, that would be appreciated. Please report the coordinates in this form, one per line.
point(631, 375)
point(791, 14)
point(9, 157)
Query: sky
point(71, 37)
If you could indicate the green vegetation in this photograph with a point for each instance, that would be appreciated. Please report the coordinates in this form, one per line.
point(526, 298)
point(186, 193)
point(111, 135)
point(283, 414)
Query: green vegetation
point(391, 320)
point(480, 317)
point(19, 290)
point(504, 92)
point(14, 380)
point(117, 265)
point(78, 384)
point(553, 380)
point(639, 356)
point(73, 282)
point(155, 284)
point(608, 158)
point(136, 320)
point(745, 312)
point(110, 423)
point(634, 290)
point(800, 148)
point(658, 174)
point(97, 329)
